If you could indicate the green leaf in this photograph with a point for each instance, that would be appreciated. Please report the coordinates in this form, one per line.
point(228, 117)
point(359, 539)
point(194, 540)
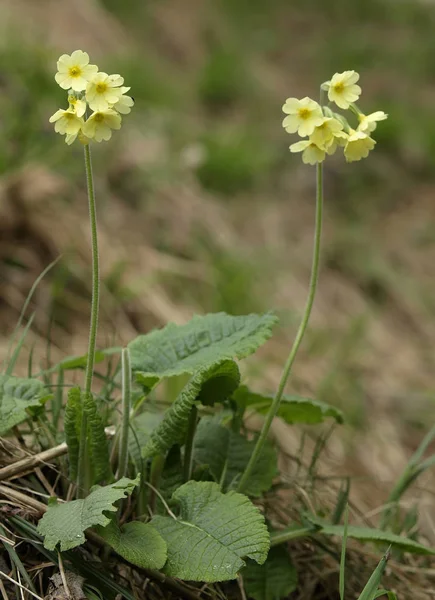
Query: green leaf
point(98, 445)
point(203, 341)
point(211, 384)
point(72, 422)
point(141, 428)
point(366, 534)
point(293, 409)
point(213, 533)
point(17, 397)
point(137, 542)
point(226, 453)
point(171, 478)
point(66, 523)
point(273, 580)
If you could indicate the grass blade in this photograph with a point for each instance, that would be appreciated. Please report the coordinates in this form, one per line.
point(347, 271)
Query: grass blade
point(20, 343)
point(343, 554)
point(23, 310)
point(370, 592)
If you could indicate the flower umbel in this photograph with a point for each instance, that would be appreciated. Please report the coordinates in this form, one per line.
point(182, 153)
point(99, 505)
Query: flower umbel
point(303, 116)
point(343, 89)
point(328, 129)
point(87, 88)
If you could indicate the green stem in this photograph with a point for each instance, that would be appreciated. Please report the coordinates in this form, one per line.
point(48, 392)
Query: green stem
point(291, 533)
point(188, 451)
point(125, 424)
point(95, 271)
point(299, 336)
point(82, 467)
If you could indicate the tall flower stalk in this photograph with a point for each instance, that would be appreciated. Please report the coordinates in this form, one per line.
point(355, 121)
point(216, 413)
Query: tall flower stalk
point(326, 131)
point(105, 97)
point(299, 336)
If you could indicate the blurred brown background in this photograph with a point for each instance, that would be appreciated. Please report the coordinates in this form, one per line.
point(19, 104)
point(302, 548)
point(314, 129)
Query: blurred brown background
point(202, 208)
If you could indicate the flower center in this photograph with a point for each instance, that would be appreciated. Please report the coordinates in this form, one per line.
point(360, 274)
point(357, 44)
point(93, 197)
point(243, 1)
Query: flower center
point(304, 113)
point(75, 71)
point(69, 116)
point(339, 88)
point(99, 117)
point(101, 88)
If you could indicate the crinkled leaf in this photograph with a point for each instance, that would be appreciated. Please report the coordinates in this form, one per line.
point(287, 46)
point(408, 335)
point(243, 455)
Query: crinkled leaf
point(203, 341)
point(98, 445)
point(213, 383)
point(72, 423)
point(18, 396)
point(367, 534)
point(213, 533)
point(226, 453)
point(137, 542)
point(66, 523)
point(273, 580)
point(293, 409)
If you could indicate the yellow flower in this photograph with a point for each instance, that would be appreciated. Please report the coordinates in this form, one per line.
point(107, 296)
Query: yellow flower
point(74, 71)
point(124, 104)
point(77, 105)
point(343, 89)
point(66, 122)
point(323, 135)
point(100, 124)
point(340, 139)
point(358, 145)
point(311, 152)
point(303, 116)
point(103, 91)
point(367, 123)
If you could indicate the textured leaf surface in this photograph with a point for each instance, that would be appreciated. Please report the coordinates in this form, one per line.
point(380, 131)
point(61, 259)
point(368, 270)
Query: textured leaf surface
point(98, 445)
point(72, 421)
point(17, 396)
point(213, 533)
point(227, 453)
point(273, 580)
point(66, 523)
point(214, 383)
point(203, 341)
point(293, 409)
point(137, 542)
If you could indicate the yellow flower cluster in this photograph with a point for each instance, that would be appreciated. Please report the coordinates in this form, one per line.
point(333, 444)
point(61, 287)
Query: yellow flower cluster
point(103, 94)
point(327, 130)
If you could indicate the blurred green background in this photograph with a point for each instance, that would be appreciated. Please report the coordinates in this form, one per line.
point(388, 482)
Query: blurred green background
point(202, 207)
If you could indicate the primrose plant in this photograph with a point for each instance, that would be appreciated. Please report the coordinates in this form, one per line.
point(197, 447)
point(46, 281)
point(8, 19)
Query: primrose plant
point(172, 490)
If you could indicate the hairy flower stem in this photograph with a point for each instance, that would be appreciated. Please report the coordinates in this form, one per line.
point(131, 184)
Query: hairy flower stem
point(82, 483)
point(299, 336)
point(125, 424)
